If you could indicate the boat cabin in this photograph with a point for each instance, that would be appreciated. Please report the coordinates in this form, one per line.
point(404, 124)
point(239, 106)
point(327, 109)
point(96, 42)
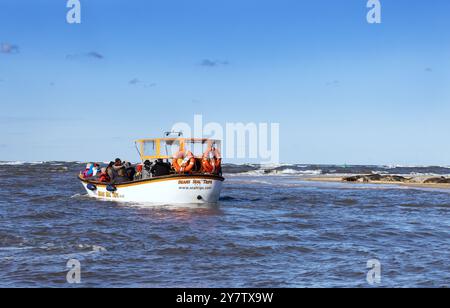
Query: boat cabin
point(167, 148)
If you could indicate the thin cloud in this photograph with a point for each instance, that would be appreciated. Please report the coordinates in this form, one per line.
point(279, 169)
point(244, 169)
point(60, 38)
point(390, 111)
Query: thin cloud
point(334, 83)
point(7, 48)
point(213, 63)
point(96, 55)
point(150, 85)
point(136, 81)
point(92, 55)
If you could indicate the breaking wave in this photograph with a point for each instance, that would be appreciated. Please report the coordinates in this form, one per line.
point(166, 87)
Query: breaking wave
point(304, 169)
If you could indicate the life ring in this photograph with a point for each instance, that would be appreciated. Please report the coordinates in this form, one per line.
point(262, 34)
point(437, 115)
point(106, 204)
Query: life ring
point(211, 161)
point(183, 161)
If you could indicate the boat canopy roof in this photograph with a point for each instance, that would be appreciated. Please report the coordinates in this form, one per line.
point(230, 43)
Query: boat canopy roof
point(166, 148)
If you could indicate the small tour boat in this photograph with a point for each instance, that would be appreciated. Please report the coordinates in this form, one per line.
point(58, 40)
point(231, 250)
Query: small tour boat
point(193, 179)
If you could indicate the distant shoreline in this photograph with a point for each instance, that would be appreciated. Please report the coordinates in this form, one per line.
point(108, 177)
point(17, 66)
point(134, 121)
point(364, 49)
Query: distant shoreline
point(418, 182)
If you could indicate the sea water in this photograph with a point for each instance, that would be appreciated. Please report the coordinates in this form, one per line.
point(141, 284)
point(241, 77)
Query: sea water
point(270, 229)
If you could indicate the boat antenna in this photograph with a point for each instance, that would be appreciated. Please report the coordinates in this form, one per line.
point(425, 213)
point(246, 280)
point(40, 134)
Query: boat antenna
point(137, 149)
point(179, 134)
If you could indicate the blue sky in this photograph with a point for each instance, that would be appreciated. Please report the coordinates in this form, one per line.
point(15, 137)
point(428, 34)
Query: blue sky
point(343, 90)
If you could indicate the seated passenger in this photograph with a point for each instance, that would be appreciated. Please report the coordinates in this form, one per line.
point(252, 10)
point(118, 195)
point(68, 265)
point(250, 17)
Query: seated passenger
point(160, 168)
point(95, 169)
point(110, 171)
point(138, 174)
point(130, 171)
point(88, 172)
point(104, 177)
point(146, 170)
point(118, 164)
point(121, 177)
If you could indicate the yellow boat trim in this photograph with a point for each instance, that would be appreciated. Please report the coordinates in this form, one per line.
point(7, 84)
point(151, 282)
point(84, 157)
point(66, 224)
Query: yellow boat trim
point(169, 178)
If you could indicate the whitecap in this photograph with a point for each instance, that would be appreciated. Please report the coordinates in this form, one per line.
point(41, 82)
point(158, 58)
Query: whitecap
point(12, 163)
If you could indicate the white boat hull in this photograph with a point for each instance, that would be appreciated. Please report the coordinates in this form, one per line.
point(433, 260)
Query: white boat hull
point(177, 189)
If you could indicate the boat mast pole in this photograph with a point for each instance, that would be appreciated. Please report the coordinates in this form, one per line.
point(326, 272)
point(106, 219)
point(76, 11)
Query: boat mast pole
point(139, 152)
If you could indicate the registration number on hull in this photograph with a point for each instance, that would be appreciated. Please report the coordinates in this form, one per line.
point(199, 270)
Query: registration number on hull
point(107, 194)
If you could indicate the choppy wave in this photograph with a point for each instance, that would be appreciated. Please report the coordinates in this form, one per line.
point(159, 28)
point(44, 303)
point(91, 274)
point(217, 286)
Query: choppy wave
point(265, 170)
point(52, 163)
point(267, 217)
point(12, 163)
point(304, 169)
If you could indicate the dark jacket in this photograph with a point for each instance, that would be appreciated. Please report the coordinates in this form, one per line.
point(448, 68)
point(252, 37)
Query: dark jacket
point(112, 173)
point(160, 169)
point(131, 172)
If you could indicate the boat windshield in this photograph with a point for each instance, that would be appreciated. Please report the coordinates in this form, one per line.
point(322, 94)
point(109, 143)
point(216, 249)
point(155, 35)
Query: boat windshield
point(166, 148)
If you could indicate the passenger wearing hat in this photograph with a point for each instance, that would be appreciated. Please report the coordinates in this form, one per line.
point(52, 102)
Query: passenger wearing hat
point(146, 170)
